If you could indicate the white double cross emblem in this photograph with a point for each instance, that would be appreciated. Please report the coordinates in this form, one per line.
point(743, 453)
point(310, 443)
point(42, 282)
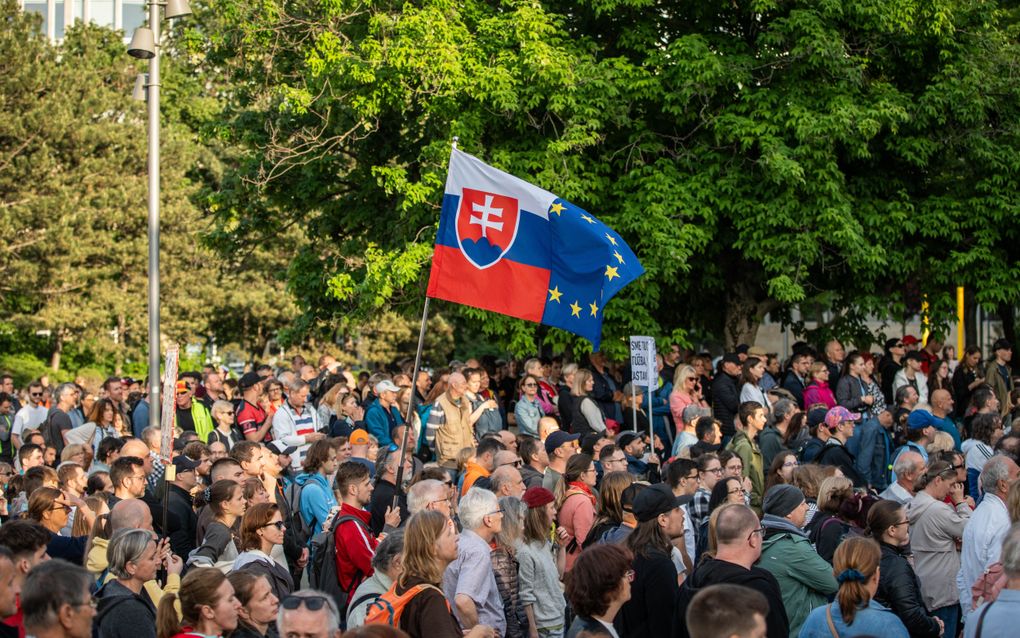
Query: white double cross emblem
point(487, 214)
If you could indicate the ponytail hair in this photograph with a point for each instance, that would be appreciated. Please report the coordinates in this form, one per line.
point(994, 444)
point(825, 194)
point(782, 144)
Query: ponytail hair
point(198, 589)
point(215, 496)
point(854, 564)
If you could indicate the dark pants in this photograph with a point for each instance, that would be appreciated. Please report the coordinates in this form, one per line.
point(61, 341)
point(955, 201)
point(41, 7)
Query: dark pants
point(950, 616)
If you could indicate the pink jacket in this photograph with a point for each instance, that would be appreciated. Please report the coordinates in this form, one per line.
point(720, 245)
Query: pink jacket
point(678, 401)
point(819, 392)
point(577, 516)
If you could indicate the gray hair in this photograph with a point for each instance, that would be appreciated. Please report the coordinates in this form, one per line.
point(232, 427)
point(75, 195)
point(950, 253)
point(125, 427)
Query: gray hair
point(513, 521)
point(782, 409)
point(332, 615)
point(907, 463)
point(568, 370)
point(296, 385)
point(127, 546)
point(1011, 552)
point(424, 492)
point(388, 549)
point(48, 587)
point(149, 433)
point(502, 476)
point(996, 469)
point(63, 389)
point(475, 506)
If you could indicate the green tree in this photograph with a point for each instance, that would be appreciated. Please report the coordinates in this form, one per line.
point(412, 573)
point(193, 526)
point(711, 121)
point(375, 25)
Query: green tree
point(756, 155)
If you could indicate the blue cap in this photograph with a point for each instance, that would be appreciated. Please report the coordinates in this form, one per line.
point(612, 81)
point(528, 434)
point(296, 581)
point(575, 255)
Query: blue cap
point(921, 419)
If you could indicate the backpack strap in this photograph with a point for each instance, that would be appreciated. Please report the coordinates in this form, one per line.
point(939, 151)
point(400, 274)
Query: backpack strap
point(828, 620)
point(981, 619)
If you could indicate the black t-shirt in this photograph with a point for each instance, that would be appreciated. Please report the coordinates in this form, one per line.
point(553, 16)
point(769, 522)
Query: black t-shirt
point(184, 420)
point(428, 614)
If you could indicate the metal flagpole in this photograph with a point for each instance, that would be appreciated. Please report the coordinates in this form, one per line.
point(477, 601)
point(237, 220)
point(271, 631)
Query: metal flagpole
point(633, 400)
point(648, 411)
point(408, 423)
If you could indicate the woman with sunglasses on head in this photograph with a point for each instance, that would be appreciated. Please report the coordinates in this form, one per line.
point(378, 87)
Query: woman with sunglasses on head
point(125, 610)
point(259, 605)
point(898, 586)
point(262, 529)
point(934, 527)
point(430, 545)
point(209, 607)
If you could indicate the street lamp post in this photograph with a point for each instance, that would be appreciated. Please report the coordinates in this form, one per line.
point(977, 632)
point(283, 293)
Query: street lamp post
point(145, 45)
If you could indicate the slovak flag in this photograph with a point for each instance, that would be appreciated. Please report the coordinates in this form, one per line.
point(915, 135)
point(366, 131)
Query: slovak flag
point(511, 247)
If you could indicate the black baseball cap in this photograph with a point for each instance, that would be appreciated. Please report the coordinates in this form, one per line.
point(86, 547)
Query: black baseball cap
point(816, 417)
point(657, 499)
point(184, 464)
point(248, 380)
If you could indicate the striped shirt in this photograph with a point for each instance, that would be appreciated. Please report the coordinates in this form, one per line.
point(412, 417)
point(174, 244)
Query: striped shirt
point(291, 427)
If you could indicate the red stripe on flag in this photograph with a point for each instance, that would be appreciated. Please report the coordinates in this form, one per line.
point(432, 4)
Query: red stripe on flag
point(509, 288)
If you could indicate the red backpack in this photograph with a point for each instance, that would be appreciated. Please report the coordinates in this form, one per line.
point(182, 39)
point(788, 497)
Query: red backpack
point(387, 609)
point(988, 585)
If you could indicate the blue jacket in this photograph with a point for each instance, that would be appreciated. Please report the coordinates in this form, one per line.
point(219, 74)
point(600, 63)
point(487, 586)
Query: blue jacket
point(873, 620)
point(316, 500)
point(379, 425)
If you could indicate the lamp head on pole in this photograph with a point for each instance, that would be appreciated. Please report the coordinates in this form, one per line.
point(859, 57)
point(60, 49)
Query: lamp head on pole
point(139, 93)
point(143, 45)
point(177, 9)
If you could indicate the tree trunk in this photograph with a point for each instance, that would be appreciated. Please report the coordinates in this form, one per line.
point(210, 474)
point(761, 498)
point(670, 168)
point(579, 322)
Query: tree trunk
point(1007, 313)
point(744, 313)
point(58, 349)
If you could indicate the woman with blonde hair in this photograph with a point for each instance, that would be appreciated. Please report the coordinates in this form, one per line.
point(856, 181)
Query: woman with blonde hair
point(854, 612)
point(818, 391)
point(686, 391)
point(828, 527)
point(226, 430)
point(587, 416)
point(209, 607)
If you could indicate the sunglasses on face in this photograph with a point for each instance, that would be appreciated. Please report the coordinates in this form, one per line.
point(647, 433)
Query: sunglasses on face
point(35, 394)
point(311, 603)
point(280, 525)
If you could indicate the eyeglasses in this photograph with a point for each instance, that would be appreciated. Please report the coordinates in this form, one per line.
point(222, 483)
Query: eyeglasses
point(622, 459)
point(442, 500)
point(737, 490)
point(530, 385)
point(900, 523)
point(311, 603)
point(898, 345)
point(499, 512)
point(693, 477)
point(280, 525)
point(517, 463)
point(760, 531)
point(91, 602)
point(714, 470)
point(58, 506)
point(35, 394)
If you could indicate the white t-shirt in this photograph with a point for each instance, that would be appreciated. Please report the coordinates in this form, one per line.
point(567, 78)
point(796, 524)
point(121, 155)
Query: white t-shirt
point(29, 418)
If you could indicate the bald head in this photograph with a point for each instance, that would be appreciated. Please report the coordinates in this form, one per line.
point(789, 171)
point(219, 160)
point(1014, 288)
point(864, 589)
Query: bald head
point(131, 513)
point(424, 492)
point(135, 447)
point(941, 402)
point(734, 524)
point(506, 481)
point(504, 457)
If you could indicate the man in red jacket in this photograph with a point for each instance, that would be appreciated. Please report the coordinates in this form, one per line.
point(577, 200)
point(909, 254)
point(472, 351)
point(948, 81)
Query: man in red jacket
point(355, 544)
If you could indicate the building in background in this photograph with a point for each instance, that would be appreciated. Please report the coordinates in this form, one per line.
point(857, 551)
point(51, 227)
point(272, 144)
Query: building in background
point(59, 14)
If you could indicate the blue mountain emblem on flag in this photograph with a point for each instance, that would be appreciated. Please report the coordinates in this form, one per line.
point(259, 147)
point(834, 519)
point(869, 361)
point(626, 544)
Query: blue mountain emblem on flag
point(481, 251)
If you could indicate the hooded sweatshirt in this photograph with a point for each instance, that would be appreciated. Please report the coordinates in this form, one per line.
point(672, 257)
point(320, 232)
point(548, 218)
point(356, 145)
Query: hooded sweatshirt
point(258, 562)
point(124, 614)
point(96, 564)
point(712, 571)
point(316, 500)
point(805, 578)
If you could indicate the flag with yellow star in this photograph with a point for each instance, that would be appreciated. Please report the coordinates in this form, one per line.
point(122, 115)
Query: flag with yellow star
point(508, 246)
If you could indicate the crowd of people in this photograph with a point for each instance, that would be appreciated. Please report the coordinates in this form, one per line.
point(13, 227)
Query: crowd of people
point(827, 493)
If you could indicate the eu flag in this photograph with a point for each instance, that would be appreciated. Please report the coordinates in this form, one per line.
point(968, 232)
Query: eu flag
point(511, 247)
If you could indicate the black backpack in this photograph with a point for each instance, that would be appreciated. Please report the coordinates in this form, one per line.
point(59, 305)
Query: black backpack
point(297, 522)
point(322, 574)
